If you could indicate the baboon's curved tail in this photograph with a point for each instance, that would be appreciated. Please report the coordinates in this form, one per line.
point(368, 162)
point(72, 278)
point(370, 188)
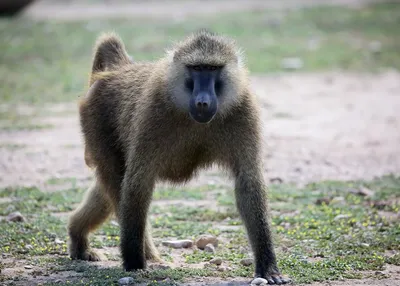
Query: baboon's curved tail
point(109, 54)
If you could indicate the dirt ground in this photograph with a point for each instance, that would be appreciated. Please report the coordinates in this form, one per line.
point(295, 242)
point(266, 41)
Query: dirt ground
point(316, 126)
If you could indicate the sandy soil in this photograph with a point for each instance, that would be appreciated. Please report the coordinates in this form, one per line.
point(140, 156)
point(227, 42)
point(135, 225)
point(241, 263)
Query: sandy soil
point(316, 127)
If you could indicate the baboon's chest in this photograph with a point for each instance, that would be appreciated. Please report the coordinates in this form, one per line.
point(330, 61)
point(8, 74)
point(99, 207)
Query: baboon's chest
point(183, 160)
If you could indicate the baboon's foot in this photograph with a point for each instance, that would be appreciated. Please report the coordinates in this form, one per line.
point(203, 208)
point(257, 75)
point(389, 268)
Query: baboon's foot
point(274, 278)
point(88, 255)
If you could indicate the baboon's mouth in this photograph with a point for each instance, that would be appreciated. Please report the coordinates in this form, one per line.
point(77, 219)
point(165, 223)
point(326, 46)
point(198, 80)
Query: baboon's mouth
point(202, 117)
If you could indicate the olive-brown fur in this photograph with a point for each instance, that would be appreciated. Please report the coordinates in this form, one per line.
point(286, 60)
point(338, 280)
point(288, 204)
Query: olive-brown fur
point(137, 132)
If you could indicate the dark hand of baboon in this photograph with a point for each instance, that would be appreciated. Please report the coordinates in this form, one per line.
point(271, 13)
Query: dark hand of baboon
point(145, 122)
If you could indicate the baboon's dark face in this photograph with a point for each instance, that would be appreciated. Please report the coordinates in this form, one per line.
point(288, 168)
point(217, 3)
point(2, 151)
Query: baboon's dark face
point(204, 85)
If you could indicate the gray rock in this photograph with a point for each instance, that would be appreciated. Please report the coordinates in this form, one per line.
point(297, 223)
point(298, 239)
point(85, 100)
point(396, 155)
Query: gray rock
point(246, 261)
point(205, 239)
point(216, 261)
point(223, 268)
point(15, 217)
point(126, 281)
point(178, 243)
point(209, 248)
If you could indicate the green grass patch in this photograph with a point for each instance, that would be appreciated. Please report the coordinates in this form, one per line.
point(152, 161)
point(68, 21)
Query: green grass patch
point(58, 181)
point(323, 231)
point(12, 146)
point(50, 61)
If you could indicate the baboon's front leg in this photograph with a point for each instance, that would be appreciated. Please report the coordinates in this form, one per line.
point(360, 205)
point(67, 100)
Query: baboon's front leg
point(136, 196)
point(252, 205)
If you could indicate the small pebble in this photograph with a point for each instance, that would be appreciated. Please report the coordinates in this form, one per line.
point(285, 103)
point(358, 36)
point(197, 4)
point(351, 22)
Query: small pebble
point(205, 239)
point(58, 241)
point(209, 248)
point(216, 261)
point(126, 281)
point(223, 268)
point(28, 267)
point(259, 281)
point(338, 200)
point(15, 217)
point(246, 261)
point(178, 243)
point(341, 216)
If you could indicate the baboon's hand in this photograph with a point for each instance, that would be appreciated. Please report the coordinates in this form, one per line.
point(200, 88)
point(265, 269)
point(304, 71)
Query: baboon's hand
point(88, 255)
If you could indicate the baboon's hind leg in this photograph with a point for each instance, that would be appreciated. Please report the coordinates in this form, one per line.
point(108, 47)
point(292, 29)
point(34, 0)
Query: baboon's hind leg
point(94, 209)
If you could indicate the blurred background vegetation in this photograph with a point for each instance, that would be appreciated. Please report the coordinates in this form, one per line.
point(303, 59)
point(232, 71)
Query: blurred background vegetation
point(48, 61)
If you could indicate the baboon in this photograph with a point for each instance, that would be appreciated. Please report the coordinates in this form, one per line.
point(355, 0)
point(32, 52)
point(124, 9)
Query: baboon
point(145, 122)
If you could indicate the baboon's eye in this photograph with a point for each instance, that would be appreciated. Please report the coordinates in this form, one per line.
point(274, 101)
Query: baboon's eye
point(189, 84)
point(196, 68)
point(212, 68)
point(218, 86)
